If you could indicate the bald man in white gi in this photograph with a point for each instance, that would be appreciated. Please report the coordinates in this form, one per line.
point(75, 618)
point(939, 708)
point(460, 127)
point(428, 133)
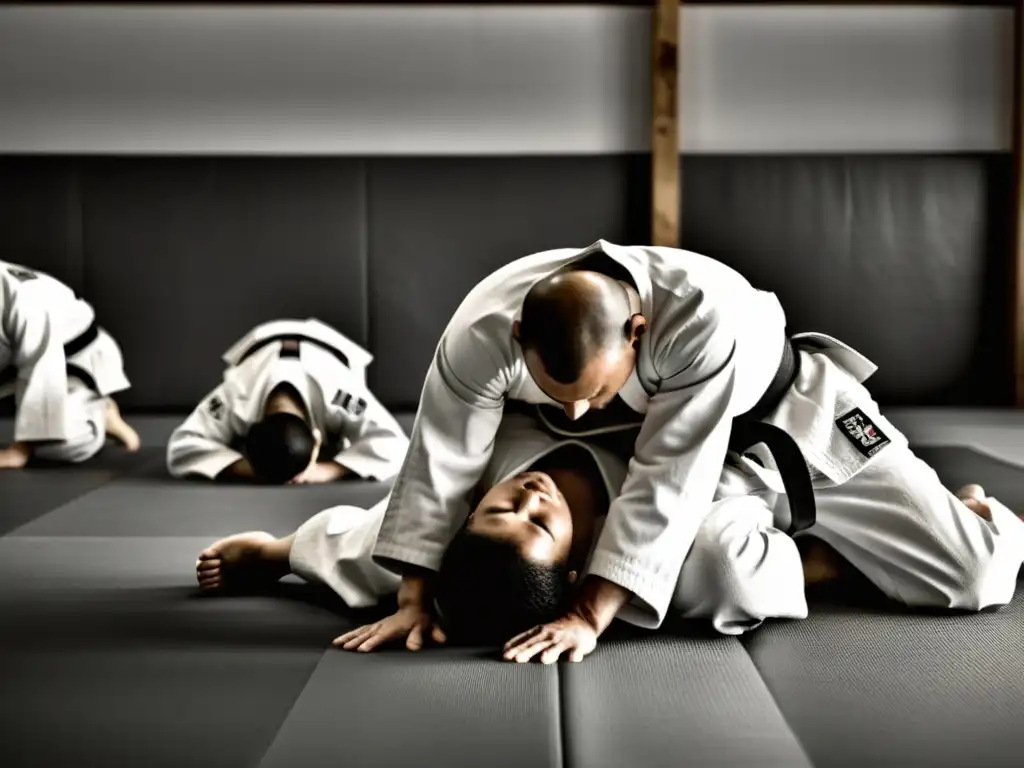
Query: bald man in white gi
point(689, 349)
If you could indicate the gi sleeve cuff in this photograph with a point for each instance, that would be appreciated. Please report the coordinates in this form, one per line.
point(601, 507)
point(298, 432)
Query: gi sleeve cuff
point(652, 593)
point(209, 466)
point(397, 558)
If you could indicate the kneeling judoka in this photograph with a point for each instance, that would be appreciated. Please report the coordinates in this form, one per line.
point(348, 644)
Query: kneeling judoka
point(62, 369)
point(293, 390)
point(537, 515)
point(703, 365)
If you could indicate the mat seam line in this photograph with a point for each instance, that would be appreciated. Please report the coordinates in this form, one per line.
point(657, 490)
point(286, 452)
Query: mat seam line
point(563, 757)
point(775, 701)
point(291, 708)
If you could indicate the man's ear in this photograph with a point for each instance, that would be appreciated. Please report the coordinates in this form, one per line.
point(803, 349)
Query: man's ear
point(637, 327)
point(515, 330)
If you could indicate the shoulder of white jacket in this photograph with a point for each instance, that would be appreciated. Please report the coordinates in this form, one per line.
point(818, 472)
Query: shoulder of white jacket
point(358, 356)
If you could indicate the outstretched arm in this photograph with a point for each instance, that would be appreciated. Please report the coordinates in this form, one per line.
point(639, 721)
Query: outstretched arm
point(202, 444)
point(451, 443)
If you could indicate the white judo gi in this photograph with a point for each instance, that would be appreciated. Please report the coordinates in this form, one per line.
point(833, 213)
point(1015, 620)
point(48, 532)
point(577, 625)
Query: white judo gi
point(335, 547)
point(711, 350)
point(60, 399)
point(329, 373)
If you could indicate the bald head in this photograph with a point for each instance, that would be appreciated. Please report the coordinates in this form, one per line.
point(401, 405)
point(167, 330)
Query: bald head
point(571, 318)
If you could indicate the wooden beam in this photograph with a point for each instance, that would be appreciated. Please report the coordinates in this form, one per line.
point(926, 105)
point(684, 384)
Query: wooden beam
point(665, 196)
point(1017, 260)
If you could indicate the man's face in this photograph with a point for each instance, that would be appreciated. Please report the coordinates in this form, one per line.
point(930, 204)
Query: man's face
point(597, 385)
point(529, 511)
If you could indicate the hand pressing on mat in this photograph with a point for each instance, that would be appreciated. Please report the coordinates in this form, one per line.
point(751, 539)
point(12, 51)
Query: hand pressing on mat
point(413, 622)
point(575, 633)
point(320, 472)
point(571, 634)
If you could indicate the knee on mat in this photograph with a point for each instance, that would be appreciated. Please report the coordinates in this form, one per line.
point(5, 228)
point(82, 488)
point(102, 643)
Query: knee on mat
point(754, 571)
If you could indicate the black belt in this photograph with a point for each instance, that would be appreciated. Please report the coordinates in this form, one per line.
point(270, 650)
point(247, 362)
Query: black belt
point(285, 337)
point(72, 348)
point(749, 430)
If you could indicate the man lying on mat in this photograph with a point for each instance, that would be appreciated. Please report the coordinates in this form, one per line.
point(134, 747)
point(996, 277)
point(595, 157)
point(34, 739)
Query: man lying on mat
point(512, 567)
point(293, 389)
point(62, 368)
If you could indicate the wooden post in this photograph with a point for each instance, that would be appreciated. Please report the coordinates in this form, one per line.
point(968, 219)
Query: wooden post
point(665, 197)
point(1017, 266)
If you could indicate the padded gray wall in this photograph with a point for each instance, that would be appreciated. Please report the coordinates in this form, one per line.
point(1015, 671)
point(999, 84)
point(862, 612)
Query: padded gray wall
point(904, 257)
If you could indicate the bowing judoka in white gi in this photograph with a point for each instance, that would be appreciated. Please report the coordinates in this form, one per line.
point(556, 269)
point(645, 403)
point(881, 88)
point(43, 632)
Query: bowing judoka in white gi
point(701, 348)
point(62, 369)
point(548, 527)
point(312, 379)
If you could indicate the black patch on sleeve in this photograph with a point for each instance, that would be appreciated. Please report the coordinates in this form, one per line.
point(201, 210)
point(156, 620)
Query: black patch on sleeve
point(859, 430)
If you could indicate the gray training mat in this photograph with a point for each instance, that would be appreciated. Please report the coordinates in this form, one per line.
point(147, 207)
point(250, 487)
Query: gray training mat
point(455, 707)
point(109, 656)
point(876, 686)
point(692, 699)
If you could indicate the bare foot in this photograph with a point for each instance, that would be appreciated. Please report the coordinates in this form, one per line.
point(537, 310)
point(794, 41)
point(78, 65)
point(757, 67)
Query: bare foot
point(245, 559)
point(974, 498)
point(119, 428)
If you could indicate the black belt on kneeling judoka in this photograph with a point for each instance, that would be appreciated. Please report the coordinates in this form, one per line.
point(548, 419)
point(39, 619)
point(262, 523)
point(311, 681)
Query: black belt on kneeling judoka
point(749, 429)
point(291, 350)
point(71, 348)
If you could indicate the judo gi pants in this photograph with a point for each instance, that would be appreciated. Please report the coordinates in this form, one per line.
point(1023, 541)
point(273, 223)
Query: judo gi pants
point(87, 431)
point(894, 522)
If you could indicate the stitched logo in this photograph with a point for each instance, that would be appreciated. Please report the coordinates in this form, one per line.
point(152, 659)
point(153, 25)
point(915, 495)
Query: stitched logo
point(355, 406)
point(859, 430)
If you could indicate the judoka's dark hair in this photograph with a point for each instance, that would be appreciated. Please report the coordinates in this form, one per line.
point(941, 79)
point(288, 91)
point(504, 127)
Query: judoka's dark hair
point(487, 592)
point(567, 326)
point(279, 447)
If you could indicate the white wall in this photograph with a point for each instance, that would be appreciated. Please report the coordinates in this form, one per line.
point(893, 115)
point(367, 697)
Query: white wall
point(499, 80)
